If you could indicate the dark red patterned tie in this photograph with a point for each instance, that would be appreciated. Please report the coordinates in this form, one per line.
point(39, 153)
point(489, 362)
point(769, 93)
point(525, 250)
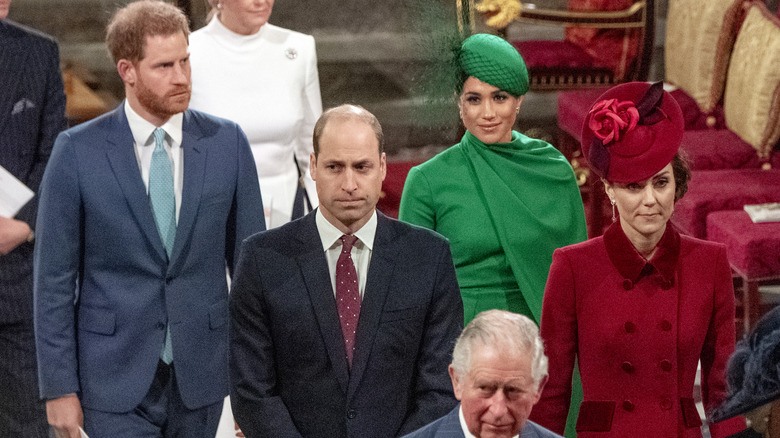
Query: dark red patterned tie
point(347, 295)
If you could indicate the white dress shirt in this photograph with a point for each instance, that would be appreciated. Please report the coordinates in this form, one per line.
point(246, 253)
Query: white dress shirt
point(143, 139)
point(361, 251)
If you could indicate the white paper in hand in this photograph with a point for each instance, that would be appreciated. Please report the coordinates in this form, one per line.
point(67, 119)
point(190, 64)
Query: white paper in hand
point(13, 194)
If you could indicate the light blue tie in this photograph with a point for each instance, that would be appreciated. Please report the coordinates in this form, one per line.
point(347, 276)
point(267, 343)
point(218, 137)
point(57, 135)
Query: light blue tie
point(164, 208)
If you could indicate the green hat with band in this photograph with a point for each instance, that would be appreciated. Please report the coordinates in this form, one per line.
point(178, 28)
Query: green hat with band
point(492, 60)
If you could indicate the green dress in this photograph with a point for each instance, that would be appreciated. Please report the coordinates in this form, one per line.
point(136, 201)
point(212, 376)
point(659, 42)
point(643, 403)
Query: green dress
point(505, 208)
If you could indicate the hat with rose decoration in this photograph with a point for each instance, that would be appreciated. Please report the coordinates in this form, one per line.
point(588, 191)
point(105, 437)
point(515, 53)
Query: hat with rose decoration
point(632, 131)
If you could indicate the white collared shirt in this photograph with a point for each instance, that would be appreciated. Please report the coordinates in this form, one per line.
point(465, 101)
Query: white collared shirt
point(361, 251)
point(466, 432)
point(143, 142)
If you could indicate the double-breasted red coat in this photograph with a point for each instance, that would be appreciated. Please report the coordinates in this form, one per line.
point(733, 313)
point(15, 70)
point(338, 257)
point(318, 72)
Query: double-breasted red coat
point(638, 329)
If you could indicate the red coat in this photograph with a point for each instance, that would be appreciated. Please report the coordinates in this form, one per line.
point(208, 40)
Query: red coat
point(638, 330)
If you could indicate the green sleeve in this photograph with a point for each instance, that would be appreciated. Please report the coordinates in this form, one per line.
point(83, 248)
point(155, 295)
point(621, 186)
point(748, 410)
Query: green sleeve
point(417, 201)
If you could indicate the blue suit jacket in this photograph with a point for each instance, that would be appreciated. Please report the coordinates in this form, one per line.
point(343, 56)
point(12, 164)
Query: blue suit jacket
point(449, 427)
point(32, 113)
point(98, 245)
point(289, 373)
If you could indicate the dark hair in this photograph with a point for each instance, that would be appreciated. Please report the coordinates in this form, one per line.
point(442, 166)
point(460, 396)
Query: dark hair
point(682, 174)
point(127, 31)
point(348, 112)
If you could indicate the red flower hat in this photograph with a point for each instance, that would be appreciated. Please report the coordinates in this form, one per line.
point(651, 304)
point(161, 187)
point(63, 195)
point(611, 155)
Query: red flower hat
point(632, 132)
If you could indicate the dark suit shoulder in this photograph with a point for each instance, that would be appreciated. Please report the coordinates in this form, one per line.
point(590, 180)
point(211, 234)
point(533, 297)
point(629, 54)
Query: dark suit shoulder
point(12, 29)
point(287, 238)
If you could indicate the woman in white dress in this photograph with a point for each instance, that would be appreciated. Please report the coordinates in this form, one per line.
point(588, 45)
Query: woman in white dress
point(264, 78)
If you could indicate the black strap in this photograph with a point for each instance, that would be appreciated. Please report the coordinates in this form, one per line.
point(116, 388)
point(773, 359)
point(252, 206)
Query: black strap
point(301, 195)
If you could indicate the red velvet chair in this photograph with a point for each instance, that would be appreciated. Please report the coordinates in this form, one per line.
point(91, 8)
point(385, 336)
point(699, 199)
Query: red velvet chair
point(739, 165)
point(753, 255)
point(606, 42)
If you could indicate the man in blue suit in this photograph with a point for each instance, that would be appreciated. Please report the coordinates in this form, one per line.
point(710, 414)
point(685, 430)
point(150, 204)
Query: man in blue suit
point(140, 212)
point(498, 372)
point(341, 321)
point(32, 113)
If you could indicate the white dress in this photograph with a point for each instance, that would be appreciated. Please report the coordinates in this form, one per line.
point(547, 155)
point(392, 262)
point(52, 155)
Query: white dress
point(268, 84)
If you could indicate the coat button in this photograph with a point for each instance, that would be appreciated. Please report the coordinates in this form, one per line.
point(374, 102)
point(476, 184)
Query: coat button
point(160, 326)
point(628, 406)
point(666, 404)
point(666, 365)
point(666, 325)
point(630, 327)
point(351, 414)
point(628, 284)
point(666, 285)
point(627, 367)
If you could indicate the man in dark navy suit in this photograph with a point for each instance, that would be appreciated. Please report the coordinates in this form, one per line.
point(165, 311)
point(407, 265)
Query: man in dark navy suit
point(498, 372)
point(32, 113)
point(141, 210)
point(341, 321)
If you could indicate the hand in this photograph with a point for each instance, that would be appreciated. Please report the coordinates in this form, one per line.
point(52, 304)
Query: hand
point(65, 416)
point(12, 234)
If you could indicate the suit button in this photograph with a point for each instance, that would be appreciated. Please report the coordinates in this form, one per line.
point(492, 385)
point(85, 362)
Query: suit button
point(630, 327)
point(627, 367)
point(628, 284)
point(666, 365)
point(160, 326)
point(628, 406)
point(666, 404)
point(351, 414)
point(665, 325)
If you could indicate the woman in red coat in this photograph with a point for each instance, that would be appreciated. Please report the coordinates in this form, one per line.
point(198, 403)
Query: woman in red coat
point(639, 306)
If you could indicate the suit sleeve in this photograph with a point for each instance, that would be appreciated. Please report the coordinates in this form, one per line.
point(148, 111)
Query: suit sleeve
point(257, 406)
point(57, 262)
point(246, 216)
point(417, 201)
point(718, 347)
point(559, 333)
point(433, 396)
point(52, 122)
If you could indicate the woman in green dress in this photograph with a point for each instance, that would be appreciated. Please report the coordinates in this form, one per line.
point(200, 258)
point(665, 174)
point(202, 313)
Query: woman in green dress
point(505, 201)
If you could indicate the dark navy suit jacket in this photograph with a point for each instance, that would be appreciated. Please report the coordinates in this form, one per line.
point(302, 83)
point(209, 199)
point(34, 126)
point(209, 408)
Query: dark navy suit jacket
point(98, 245)
point(289, 372)
point(449, 427)
point(32, 113)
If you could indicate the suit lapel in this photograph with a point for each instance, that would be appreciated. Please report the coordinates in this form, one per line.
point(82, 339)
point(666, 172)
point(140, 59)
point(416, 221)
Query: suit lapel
point(194, 166)
point(314, 267)
point(377, 286)
point(121, 156)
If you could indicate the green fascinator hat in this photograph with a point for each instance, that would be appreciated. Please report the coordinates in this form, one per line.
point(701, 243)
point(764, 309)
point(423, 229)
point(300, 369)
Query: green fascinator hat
point(492, 60)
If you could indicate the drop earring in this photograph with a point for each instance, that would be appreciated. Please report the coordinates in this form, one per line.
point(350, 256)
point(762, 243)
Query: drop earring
point(614, 218)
